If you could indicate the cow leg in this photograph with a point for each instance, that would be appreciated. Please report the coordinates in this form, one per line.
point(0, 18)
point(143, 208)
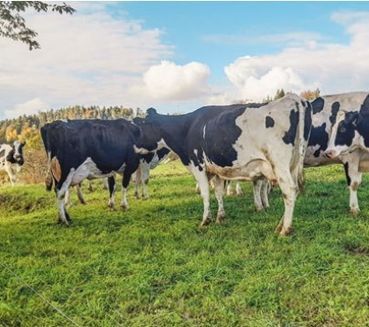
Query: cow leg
point(219, 192)
point(203, 182)
point(239, 191)
point(125, 182)
point(67, 198)
point(145, 176)
point(265, 193)
point(138, 181)
point(257, 195)
point(289, 191)
point(79, 193)
point(61, 190)
point(197, 188)
point(90, 188)
point(11, 175)
point(111, 187)
point(353, 177)
point(229, 191)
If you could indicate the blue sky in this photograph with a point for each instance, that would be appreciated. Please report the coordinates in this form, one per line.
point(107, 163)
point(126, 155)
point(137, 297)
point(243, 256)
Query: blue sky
point(177, 56)
point(186, 25)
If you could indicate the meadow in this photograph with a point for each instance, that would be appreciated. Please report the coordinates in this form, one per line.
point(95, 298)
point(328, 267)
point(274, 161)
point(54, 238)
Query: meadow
point(153, 266)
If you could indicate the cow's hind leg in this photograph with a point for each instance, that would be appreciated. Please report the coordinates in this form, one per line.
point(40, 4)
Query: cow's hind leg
point(353, 177)
point(257, 194)
point(203, 182)
point(265, 193)
point(289, 191)
point(219, 192)
point(61, 190)
point(111, 187)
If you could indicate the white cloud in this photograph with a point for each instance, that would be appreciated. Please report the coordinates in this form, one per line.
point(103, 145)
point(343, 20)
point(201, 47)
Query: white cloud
point(88, 58)
point(30, 107)
point(168, 81)
point(332, 67)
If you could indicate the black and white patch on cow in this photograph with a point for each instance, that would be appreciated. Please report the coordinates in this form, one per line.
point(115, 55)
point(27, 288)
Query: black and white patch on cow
point(11, 159)
point(225, 142)
point(80, 149)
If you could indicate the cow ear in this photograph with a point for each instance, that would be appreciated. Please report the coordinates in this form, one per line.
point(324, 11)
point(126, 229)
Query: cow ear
point(23, 143)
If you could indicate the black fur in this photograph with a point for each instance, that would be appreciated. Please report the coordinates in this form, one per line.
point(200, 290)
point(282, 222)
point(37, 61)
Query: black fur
point(269, 122)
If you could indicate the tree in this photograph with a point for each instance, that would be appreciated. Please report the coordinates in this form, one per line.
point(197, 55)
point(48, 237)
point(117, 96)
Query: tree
point(279, 94)
point(13, 25)
point(310, 95)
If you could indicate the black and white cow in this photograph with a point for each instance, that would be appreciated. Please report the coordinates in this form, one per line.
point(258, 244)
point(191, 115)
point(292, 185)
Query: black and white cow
point(326, 111)
point(141, 175)
point(350, 138)
point(80, 149)
point(326, 115)
point(237, 143)
point(11, 159)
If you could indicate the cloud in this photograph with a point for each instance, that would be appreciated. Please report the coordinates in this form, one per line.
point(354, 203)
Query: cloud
point(28, 108)
point(168, 81)
point(88, 58)
point(333, 67)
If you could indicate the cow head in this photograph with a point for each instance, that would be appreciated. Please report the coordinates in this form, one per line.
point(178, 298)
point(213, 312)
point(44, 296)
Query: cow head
point(344, 137)
point(16, 154)
point(150, 136)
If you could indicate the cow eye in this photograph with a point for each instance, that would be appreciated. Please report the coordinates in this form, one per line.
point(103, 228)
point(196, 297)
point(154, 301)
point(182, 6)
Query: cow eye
point(342, 129)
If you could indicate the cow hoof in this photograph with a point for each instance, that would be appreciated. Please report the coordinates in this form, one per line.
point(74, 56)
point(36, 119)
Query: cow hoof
point(137, 196)
point(286, 231)
point(125, 207)
point(355, 211)
point(240, 193)
point(258, 209)
point(220, 218)
point(279, 228)
point(205, 223)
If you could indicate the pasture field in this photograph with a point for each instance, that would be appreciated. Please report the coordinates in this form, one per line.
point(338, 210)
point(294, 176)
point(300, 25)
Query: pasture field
point(153, 266)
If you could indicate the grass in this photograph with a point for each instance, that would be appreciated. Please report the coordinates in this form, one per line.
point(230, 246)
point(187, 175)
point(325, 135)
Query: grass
point(152, 266)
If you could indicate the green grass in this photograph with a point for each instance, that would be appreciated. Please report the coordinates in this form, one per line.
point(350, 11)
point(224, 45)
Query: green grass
point(152, 266)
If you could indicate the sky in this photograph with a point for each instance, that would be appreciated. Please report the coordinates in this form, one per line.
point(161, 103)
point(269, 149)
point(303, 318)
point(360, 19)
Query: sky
point(178, 56)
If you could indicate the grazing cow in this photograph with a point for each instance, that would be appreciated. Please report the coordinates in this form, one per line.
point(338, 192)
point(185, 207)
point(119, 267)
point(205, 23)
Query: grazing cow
point(350, 138)
point(325, 117)
point(236, 142)
point(80, 149)
point(11, 159)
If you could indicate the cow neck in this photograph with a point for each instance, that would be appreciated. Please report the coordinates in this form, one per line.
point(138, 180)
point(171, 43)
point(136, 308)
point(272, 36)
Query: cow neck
point(173, 130)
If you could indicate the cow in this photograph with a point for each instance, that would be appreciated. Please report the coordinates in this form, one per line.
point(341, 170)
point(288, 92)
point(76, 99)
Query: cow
point(236, 142)
point(350, 138)
point(11, 159)
point(325, 114)
point(80, 149)
point(325, 117)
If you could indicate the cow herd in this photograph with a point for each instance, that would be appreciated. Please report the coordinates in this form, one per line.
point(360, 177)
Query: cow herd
point(268, 144)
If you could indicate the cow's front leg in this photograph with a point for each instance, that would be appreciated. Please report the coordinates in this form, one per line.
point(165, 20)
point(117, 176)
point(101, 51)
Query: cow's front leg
point(11, 175)
point(80, 194)
point(219, 192)
point(353, 177)
point(203, 182)
point(111, 187)
point(239, 191)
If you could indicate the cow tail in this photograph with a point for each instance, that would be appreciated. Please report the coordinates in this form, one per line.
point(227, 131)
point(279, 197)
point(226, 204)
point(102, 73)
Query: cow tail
point(49, 180)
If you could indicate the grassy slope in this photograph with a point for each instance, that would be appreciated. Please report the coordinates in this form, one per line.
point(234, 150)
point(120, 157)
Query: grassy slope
point(152, 266)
